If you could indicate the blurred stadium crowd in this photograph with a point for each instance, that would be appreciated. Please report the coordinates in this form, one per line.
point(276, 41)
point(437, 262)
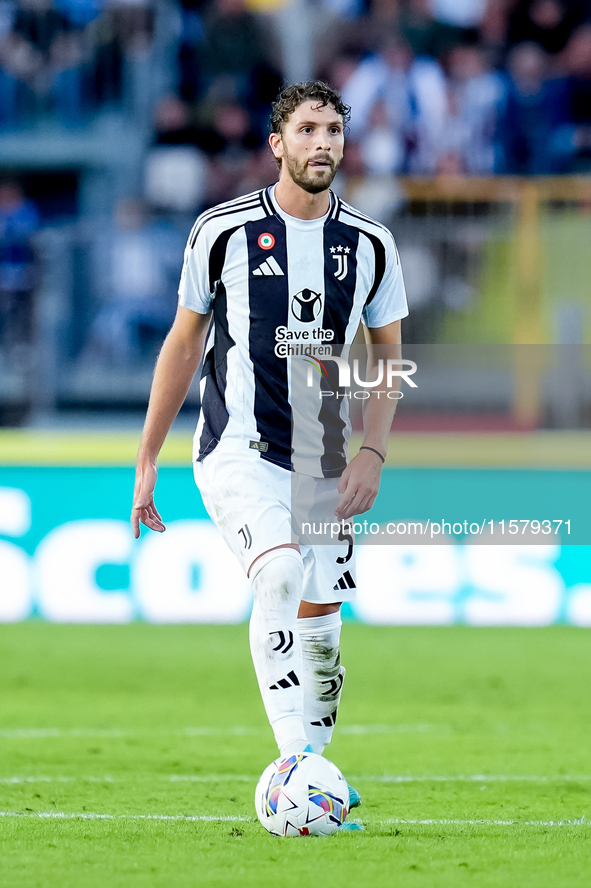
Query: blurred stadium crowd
point(469, 86)
point(122, 119)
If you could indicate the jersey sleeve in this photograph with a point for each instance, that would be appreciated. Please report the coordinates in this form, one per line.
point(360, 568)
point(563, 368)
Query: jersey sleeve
point(194, 287)
point(389, 302)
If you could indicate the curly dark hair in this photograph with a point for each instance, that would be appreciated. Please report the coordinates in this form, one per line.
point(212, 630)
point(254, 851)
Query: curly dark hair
point(291, 97)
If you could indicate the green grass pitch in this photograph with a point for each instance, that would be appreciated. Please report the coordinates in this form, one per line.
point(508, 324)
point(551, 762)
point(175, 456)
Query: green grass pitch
point(470, 747)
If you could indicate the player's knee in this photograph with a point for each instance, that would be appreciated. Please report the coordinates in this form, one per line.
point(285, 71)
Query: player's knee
point(323, 654)
point(278, 574)
point(320, 640)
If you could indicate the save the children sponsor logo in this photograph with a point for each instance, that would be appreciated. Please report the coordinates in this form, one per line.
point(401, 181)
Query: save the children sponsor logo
point(298, 343)
point(307, 305)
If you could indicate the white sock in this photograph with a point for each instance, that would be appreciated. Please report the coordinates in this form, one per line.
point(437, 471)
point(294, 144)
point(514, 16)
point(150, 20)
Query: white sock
point(322, 676)
point(277, 583)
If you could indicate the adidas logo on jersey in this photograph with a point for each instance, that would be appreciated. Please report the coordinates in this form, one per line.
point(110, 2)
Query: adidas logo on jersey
point(345, 582)
point(269, 268)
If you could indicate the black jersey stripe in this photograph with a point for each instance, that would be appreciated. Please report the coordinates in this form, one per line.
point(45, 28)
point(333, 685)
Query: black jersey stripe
point(340, 245)
point(215, 371)
point(383, 228)
point(217, 215)
point(341, 242)
point(333, 461)
point(380, 266)
point(217, 256)
point(268, 309)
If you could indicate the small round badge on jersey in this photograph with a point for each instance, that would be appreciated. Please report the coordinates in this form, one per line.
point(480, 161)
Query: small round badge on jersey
point(266, 241)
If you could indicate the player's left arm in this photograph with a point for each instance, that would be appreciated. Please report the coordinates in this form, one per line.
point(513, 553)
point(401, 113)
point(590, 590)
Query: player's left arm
point(360, 482)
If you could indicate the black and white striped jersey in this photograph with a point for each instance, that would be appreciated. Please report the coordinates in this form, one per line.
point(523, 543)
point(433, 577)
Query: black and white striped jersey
point(281, 287)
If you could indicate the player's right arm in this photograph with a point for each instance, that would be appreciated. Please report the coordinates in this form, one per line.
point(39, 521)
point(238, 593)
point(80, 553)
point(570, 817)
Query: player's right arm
point(176, 366)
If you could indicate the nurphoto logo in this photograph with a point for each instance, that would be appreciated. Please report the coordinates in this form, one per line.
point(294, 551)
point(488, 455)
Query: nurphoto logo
point(389, 372)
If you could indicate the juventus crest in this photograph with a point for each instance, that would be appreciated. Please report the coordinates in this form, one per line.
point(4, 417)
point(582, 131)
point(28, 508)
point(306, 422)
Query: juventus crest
point(340, 254)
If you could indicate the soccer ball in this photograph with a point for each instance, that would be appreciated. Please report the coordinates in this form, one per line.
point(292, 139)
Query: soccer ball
point(304, 795)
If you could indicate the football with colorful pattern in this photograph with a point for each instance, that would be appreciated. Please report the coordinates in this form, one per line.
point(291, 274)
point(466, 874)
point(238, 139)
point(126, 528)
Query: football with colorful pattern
point(304, 795)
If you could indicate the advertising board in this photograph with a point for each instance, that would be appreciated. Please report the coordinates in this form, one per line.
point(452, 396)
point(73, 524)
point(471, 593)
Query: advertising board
point(67, 554)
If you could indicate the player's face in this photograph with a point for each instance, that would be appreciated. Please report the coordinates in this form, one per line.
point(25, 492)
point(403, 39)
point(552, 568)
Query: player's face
point(311, 146)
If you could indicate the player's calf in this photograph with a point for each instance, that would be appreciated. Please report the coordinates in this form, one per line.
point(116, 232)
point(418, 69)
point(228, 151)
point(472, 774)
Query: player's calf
point(322, 676)
point(277, 581)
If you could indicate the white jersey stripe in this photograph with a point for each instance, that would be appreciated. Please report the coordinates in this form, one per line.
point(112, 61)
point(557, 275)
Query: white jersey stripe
point(240, 397)
point(305, 252)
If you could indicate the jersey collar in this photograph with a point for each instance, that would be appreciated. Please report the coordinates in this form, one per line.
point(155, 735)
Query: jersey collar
point(270, 205)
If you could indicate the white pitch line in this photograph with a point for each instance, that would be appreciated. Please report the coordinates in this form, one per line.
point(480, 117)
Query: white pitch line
point(402, 778)
point(365, 730)
point(232, 818)
point(45, 733)
point(248, 778)
point(191, 731)
point(171, 778)
point(456, 822)
point(204, 731)
point(19, 778)
point(211, 778)
point(470, 778)
point(86, 815)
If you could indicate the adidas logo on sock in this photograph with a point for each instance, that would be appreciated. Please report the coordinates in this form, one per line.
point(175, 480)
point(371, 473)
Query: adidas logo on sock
point(291, 681)
point(328, 721)
point(268, 268)
point(345, 582)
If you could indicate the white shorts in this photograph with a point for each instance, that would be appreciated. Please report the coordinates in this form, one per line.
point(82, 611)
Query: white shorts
point(249, 499)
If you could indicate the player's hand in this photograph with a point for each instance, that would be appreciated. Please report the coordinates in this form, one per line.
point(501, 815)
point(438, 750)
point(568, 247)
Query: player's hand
point(359, 485)
point(144, 510)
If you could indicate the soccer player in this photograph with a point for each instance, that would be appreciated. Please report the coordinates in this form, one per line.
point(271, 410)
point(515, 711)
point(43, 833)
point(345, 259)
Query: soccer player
point(289, 263)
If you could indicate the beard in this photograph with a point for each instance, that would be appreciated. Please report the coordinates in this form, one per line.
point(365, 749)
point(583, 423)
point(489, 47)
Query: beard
point(311, 180)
